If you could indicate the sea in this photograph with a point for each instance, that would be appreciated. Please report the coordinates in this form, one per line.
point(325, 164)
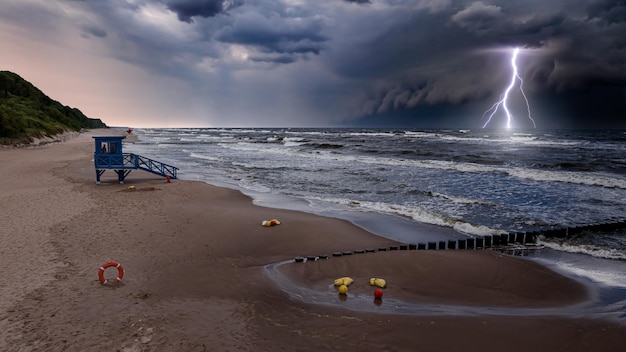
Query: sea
point(414, 185)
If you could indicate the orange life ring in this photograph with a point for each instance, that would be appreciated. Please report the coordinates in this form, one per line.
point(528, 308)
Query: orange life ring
point(120, 272)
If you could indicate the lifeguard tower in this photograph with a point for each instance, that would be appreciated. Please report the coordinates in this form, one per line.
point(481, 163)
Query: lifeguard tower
point(108, 155)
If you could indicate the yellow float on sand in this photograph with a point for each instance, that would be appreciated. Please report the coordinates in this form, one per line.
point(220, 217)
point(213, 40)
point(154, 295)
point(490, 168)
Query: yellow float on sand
point(269, 223)
point(378, 282)
point(344, 281)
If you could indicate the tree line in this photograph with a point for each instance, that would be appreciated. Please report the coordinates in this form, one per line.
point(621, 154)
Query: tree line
point(27, 113)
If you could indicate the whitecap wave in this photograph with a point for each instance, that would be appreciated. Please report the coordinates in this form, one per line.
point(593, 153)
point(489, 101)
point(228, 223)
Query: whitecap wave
point(600, 275)
point(599, 252)
point(204, 156)
point(293, 141)
point(416, 213)
point(585, 178)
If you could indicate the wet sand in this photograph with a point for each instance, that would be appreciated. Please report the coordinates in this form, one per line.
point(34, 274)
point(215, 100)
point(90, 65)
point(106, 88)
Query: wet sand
point(195, 255)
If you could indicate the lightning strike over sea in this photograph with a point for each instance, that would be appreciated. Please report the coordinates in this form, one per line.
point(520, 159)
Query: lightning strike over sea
point(504, 97)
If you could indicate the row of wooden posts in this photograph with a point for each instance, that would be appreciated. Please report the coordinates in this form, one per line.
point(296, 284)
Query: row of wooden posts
point(498, 241)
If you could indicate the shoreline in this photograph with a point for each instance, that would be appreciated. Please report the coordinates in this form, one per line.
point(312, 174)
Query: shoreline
point(192, 251)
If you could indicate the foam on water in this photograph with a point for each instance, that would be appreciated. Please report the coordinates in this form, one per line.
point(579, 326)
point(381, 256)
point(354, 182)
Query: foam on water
point(293, 141)
point(204, 156)
point(595, 251)
point(372, 134)
point(418, 214)
point(598, 274)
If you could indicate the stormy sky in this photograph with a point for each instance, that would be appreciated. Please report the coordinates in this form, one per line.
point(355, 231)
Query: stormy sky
point(293, 63)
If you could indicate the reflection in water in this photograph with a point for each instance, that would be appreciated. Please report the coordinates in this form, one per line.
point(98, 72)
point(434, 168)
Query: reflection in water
point(601, 305)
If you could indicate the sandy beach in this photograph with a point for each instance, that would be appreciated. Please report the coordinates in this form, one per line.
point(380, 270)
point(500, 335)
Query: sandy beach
point(195, 260)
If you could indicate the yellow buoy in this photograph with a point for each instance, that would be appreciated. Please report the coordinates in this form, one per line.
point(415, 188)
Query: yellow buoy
point(343, 281)
point(343, 289)
point(378, 282)
point(269, 223)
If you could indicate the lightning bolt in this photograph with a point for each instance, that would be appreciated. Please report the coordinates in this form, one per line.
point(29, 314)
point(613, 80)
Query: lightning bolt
point(505, 96)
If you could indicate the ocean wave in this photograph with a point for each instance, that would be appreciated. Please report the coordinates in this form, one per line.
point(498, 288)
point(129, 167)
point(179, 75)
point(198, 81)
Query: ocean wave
point(566, 176)
point(461, 139)
point(281, 150)
point(459, 200)
point(488, 139)
point(371, 134)
point(419, 134)
point(325, 145)
point(294, 141)
point(415, 213)
point(241, 130)
point(524, 138)
point(204, 156)
point(601, 275)
point(274, 139)
point(309, 133)
point(595, 251)
point(585, 178)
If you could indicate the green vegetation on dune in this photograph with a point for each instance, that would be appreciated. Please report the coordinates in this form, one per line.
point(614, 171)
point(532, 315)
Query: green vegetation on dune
point(27, 113)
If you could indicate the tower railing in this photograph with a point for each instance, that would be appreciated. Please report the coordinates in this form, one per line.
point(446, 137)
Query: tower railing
point(130, 161)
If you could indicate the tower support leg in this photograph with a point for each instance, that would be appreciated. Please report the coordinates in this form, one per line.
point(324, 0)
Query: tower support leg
point(121, 175)
point(98, 174)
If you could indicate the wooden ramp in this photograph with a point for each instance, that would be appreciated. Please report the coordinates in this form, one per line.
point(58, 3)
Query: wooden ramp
point(124, 163)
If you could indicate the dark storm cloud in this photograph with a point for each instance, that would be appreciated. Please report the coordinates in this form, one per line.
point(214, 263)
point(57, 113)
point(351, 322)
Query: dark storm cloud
point(409, 54)
point(359, 1)
point(275, 34)
point(342, 59)
point(611, 11)
point(478, 18)
point(271, 32)
point(187, 9)
point(282, 59)
point(430, 58)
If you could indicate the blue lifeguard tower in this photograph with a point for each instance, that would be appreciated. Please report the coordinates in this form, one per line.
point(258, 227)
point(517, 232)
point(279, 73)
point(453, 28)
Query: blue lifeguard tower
point(108, 155)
